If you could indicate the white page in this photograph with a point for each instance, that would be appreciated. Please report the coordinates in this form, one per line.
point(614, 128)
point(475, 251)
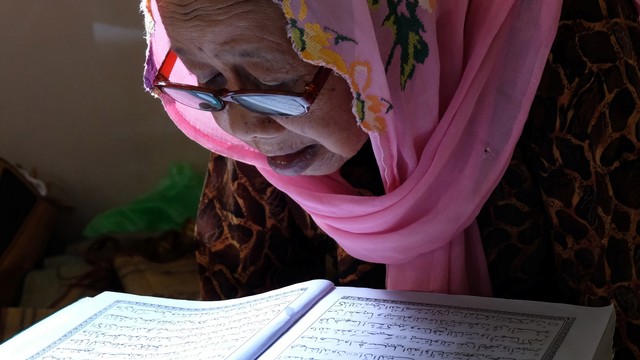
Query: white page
point(124, 326)
point(372, 324)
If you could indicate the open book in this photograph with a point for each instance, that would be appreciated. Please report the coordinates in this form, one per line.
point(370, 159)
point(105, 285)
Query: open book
point(315, 320)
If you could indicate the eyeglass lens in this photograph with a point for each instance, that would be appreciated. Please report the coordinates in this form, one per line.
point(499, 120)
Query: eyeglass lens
point(268, 104)
point(282, 105)
point(195, 99)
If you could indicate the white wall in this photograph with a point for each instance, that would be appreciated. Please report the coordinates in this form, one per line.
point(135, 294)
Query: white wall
point(72, 104)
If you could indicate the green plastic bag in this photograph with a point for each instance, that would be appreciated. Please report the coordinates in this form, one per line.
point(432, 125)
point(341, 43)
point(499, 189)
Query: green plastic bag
point(169, 206)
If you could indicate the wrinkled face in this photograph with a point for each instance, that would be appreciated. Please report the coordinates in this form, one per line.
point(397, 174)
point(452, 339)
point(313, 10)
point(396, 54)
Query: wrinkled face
point(241, 45)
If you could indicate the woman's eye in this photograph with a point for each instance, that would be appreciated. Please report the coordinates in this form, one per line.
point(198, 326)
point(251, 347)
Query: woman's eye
point(280, 84)
point(271, 82)
point(218, 81)
point(262, 82)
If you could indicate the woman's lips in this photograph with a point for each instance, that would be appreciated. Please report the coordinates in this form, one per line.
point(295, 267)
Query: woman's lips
point(295, 163)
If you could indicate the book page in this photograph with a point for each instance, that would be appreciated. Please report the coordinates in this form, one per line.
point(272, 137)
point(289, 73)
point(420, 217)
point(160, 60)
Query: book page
point(372, 324)
point(124, 326)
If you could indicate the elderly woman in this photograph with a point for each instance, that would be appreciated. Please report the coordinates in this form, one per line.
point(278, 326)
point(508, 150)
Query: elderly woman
point(468, 147)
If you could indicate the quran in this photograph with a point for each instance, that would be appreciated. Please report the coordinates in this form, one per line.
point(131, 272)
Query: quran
point(315, 320)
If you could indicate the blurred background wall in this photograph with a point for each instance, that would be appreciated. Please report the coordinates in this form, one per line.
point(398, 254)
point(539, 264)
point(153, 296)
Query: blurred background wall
point(72, 105)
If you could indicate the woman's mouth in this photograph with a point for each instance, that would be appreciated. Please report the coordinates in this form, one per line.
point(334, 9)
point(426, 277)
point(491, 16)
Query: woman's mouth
point(295, 163)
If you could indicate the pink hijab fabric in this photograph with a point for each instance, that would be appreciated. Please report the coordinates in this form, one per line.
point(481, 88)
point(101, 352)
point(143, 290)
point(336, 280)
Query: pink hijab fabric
point(443, 89)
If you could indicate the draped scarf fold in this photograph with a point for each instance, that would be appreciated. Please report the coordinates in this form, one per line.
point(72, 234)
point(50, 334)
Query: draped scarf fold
point(443, 89)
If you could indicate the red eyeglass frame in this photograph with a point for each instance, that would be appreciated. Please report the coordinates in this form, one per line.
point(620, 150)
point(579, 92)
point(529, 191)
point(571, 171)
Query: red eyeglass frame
point(309, 95)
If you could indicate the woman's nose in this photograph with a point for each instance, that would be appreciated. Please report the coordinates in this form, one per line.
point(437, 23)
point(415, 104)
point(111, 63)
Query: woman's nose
point(247, 125)
point(242, 123)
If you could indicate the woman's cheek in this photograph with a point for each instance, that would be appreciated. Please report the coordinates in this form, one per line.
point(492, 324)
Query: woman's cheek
point(330, 121)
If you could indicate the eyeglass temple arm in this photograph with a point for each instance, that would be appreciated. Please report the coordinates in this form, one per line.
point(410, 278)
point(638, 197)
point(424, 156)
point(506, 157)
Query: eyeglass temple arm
point(319, 79)
point(167, 66)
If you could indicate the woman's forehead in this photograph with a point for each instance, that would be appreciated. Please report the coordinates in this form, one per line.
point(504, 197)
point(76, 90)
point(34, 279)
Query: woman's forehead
point(230, 34)
point(188, 6)
point(224, 12)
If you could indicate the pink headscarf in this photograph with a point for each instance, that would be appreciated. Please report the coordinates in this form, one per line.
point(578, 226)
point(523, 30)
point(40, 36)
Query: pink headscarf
point(443, 120)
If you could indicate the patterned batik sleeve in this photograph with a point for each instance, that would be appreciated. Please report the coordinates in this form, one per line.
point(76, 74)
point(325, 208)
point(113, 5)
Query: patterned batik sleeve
point(252, 238)
point(248, 240)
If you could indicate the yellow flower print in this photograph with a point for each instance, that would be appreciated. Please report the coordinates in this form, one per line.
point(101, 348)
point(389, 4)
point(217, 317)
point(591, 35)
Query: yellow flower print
point(317, 49)
point(375, 125)
point(288, 11)
point(312, 41)
point(314, 44)
point(368, 108)
point(360, 75)
point(375, 105)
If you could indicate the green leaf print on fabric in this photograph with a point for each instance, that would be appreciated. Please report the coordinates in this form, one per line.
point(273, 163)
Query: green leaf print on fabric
point(407, 29)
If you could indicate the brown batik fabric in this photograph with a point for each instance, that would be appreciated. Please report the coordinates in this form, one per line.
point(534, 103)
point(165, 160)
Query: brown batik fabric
point(252, 238)
point(564, 222)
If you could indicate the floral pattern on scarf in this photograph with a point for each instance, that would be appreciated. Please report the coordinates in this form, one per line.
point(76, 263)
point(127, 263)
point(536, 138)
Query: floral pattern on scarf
point(315, 42)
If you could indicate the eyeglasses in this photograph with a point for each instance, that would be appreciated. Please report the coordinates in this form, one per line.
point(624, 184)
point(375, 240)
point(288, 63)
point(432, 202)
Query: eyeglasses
point(266, 102)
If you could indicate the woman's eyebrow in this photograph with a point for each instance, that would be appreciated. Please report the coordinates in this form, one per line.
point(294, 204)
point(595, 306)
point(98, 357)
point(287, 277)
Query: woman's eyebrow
point(251, 53)
point(254, 54)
